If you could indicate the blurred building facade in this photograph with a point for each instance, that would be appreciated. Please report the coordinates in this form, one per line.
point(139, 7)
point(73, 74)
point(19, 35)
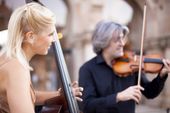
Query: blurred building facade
point(80, 18)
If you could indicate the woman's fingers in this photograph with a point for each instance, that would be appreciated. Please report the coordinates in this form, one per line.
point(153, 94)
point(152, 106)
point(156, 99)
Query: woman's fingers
point(74, 84)
point(79, 99)
point(77, 91)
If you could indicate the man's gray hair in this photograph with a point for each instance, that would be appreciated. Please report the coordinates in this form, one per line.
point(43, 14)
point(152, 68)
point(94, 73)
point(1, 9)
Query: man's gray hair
point(104, 32)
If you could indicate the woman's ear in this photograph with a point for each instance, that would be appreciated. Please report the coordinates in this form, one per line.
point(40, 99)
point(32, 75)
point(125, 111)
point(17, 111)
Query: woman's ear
point(29, 37)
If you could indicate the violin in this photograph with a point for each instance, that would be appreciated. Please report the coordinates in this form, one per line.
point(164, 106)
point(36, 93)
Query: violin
point(129, 63)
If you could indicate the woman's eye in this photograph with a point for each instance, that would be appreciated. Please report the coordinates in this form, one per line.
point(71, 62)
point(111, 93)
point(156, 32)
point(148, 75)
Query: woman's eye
point(51, 34)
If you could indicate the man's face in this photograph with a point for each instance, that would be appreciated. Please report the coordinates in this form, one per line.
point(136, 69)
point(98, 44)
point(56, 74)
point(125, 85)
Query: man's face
point(116, 45)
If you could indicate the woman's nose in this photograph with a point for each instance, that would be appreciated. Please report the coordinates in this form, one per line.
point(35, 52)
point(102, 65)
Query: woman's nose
point(51, 38)
point(57, 36)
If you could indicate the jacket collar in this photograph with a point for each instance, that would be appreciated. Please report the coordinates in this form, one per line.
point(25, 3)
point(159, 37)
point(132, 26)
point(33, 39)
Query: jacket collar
point(100, 59)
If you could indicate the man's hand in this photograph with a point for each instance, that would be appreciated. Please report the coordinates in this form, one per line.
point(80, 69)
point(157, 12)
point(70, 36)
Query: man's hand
point(166, 68)
point(131, 93)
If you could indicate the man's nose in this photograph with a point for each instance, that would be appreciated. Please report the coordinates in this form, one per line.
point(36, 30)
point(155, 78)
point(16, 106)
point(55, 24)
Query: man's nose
point(122, 42)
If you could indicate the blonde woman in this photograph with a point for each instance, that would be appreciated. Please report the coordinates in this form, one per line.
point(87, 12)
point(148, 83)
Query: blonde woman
point(30, 32)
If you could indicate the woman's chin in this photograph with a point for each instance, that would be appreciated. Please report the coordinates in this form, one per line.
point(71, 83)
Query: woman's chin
point(46, 53)
point(43, 53)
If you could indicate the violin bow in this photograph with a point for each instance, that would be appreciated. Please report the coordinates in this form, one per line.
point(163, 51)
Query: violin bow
point(142, 41)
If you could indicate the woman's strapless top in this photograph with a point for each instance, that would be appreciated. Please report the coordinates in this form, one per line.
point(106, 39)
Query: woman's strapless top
point(4, 107)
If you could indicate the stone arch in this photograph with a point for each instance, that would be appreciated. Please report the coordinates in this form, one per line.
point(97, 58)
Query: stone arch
point(135, 25)
point(69, 17)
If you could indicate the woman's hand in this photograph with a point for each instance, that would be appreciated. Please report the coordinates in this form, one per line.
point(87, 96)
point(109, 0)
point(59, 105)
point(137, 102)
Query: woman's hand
point(77, 91)
point(131, 93)
point(166, 68)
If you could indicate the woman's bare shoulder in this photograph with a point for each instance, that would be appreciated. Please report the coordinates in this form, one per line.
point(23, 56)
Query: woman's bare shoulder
point(11, 65)
point(13, 72)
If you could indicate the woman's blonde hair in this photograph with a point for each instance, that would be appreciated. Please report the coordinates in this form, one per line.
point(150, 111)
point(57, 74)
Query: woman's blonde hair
point(30, 17)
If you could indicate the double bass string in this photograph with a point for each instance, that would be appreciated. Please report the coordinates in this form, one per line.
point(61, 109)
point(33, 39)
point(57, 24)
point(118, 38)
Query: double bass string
point(72, 103)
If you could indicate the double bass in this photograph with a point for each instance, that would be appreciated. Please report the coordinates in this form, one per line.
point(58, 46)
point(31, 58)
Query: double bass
point(71, 102)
